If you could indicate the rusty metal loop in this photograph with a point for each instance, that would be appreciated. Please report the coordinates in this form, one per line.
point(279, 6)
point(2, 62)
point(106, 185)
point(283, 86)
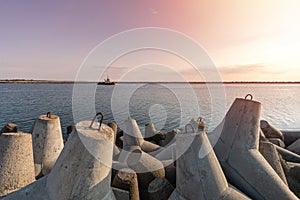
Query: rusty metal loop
point(249, 95)
point(48, 114)
point(190, 126)
point(100, 121)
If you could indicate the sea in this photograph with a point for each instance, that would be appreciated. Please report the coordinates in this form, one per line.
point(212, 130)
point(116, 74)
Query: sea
point(167, 106)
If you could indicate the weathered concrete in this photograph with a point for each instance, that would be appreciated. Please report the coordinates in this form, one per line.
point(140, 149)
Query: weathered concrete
point(89, 156)
point(160, 189)
point(9, 128)
point(146, 167)
point(237, 151)
point(270, 131)
point(288, 155)
point(119, 165)
point(133, 137)
point(82, 171)
point(198, 172)
point(16, 162)
point(114, 127)
point(262, 136)
point(270, 153)
point(290, 137)
point(69, 131)
point(121, 194)
point(126, 179)
point(150, 130)
point(158, 138)
point(47, 143)
point(170, 171)
point(167, 153)
point(170, 137)
point(152, 135)
point(292, 175)
point(36, 190)
point(116, 152)
point(294, 147)
point(116, 166)
point(277, 142)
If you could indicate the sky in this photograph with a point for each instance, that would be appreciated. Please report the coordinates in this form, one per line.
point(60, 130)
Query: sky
point(247, 40)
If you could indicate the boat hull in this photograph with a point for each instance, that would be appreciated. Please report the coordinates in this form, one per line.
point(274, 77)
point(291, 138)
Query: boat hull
point(103, 83)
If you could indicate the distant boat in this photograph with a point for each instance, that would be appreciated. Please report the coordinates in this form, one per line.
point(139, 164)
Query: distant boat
point(107, 82)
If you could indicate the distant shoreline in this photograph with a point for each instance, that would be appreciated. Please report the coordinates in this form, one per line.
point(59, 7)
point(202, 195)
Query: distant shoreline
point(26, 81)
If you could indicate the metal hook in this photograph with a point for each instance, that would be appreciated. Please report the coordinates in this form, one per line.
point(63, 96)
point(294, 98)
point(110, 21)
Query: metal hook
point(190, 126)
point(100, 122)
point(249, 95)
point(48, 115)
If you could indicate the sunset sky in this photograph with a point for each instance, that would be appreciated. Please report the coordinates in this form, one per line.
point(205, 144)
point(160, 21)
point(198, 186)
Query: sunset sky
point(248, 40)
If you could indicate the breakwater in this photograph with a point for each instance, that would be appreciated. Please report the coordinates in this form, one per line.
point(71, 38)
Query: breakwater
point(244, 157)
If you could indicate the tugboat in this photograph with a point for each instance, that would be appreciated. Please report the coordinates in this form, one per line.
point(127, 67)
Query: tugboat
point(106, 82)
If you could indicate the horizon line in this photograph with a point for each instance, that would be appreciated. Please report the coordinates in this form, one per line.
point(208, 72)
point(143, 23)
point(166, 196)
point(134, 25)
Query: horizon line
point(162, 82)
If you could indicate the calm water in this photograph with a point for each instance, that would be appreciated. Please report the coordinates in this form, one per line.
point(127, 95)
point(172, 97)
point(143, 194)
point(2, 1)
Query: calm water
point(168, 106)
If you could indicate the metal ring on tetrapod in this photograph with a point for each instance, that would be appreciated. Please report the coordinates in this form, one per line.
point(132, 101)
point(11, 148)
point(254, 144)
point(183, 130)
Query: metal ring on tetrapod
point(94, 119)
point(48, 114)
point(249, 95)
point(186, 131)
point(118, 45)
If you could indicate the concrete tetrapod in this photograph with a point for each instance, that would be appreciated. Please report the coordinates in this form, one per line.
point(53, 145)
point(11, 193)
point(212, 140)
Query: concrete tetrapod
point(277, 142)
point(82, 171)
point(16, 162)
point(150, 130)
point(146, 166)
point(270, 131)
point(120, 194)
point(237, 152)
point(152, 135)
point(114, 127)
point(262, 136)
point(133, 137)
point(292, 172)
point(170, 137)
point(126, 179)
point(47, 143)
point(198, 172)
point(116, 150)
point(288, 155)
point(290, 137)
point(170, 171)
point(9, 128)
point(271, 155)
point(160, 189)
point(295, 147)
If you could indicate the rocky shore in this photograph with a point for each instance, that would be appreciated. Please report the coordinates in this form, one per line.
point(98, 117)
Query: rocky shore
point(245, 157)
